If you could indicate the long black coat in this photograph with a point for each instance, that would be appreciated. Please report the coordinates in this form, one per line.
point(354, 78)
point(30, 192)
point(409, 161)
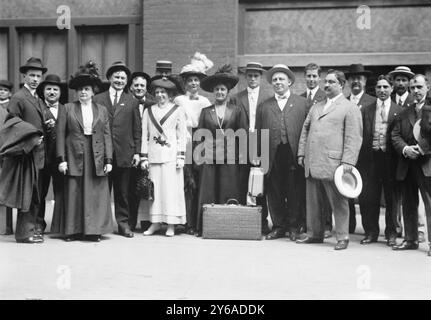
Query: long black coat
point(126, 128)
point(70, 136)
point(29, 109)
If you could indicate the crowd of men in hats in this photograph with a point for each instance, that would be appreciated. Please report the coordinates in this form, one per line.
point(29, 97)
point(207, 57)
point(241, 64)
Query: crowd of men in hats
point(325, 149)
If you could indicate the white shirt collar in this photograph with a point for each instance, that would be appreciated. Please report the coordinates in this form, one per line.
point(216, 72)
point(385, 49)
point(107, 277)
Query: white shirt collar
point(286, 95)
point(403, 97)
point(253, 91)
point(86, 104)
point(384, 103)
point(358, 96)
point(313, 91)
point(112, 92)
point(29, 89)
point(50, 105)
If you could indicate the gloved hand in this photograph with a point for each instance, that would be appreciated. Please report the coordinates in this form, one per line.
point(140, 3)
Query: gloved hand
point(107, 168)
point(62, 167)
point(180, 163)
point(144, 164)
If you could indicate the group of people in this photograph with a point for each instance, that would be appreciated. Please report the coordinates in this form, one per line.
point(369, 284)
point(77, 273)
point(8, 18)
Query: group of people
point(102, 141)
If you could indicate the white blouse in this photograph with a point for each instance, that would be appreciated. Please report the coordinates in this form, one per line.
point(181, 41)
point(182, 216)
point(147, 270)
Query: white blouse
point(87, 117)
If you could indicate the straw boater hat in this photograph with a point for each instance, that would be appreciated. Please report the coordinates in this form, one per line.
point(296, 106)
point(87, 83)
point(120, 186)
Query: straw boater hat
point(33, 63)
point(223, 75)
point(118, 66)
point(357, 69)
point(253, 66)
point(169, 83)
point(199, 65)
point(348, 184)
point(49, 79)
point(405, 71)
point(280, 68)
point(164, 65)
point(87, 75)
point(6, 84)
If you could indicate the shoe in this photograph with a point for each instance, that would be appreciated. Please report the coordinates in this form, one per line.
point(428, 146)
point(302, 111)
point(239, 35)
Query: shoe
point(170, 232)
point(145, 225)
point(31, 239)
point(406, 245)
point(391, 241)
point(310, 240)
point(275, 234)
point(341, 244)
point(126, 233)
point(152, 229)
point(368, 240)
point(94, 237)
point(265, 230)
point(328, 234)
point(293, 236)
point(421, 237)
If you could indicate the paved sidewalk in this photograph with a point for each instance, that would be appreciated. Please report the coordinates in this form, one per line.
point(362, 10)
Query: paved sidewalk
point(186, 267)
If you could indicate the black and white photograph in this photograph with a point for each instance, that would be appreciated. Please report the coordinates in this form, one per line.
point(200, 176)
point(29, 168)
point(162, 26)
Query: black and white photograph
point(215, 155)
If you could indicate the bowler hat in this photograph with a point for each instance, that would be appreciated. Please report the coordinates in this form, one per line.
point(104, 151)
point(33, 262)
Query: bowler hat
point(253, 66)
point(33, 63)
point(7, 84)
point(280, 68)
point(223, 76)
point(118, 66)
point(348, 184)
point(140, 74)
point(405, 71)
point(49, 79)
point(357, 69)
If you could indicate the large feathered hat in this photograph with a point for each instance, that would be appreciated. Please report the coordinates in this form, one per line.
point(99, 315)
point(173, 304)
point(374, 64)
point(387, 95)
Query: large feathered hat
point(223, 75)
point(87, 75)
point(198, 66)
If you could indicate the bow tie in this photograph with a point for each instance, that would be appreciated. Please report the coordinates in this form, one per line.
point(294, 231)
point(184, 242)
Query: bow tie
point(284, 97)
point(193, 98)
point(141, 101)
point(55, 106)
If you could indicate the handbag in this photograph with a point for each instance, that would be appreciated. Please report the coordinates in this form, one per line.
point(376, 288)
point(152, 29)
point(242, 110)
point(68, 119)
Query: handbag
point(144, 186)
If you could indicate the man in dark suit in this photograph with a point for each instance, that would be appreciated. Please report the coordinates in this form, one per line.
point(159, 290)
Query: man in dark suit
point(414, 165)
point(377, 164)
point(331, 136)
point(357, 79)
point(126, 140)
point(313, 94)
point(49, 91)
point(401, 96)
point(6, 86)
point(283, 116)
point(26, 105)
point(248, 100)
point(138, 87)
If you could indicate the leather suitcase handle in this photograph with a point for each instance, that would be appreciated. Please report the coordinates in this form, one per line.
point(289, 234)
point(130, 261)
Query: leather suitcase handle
point(232, 201)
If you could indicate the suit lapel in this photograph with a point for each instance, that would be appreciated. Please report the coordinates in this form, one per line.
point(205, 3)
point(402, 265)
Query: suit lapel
point(95, 114)
point(227, 115)
point(412, 115)
point(108, 103)
point(35, 102)
point(275, 108)
point(121, 104)
point(78, 114)
point(213, 114)
point(371, 117)
point(331, 107)
point(288, 106)
point(391, 114)
point(244, 101)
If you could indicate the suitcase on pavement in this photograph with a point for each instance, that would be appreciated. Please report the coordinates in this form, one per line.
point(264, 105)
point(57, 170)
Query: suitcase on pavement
point(231, 221)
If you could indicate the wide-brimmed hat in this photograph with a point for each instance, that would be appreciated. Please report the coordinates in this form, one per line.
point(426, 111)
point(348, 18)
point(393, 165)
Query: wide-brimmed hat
point(142, 74)
point(405, 71)
point(87, 75)
point(280, 68)
point(7, 84)
point(198, 66)
point(164, 65)
point(169, 83)
point(357, 69)
point(348, 184)
point(118, 66)
point(49, 79)
point(223, 76)
point(253, 66)
point(33, 63)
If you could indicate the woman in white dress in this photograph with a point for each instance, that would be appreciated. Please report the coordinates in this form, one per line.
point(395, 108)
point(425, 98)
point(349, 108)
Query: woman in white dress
point(163, 154)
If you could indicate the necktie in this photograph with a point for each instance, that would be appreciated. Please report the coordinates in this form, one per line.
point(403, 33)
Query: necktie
point(281, 97)
point(400, 102)
point(418, 112)
point(309, 96)
point(116, 98)
point(382, 112)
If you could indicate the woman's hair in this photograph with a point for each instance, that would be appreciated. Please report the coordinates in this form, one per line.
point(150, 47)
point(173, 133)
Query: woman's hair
point(172, 93)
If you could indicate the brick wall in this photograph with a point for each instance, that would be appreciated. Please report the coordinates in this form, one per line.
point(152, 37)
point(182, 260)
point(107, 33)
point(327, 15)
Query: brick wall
point(79, 8)
point(175, 29)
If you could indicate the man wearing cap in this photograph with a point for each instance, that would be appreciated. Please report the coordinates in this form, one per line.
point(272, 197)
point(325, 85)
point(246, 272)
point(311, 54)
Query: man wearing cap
point(414, 167)
point(5, 94)
point(401, 77)
point(357, 79)
point(27, 105)
point(125, 124)
point(248, 100)
point(331, 136)
point(139, 83)
point(377, 164)
point(192, 103)
point(283, 115)
point(49, 91)
point(163, 68)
